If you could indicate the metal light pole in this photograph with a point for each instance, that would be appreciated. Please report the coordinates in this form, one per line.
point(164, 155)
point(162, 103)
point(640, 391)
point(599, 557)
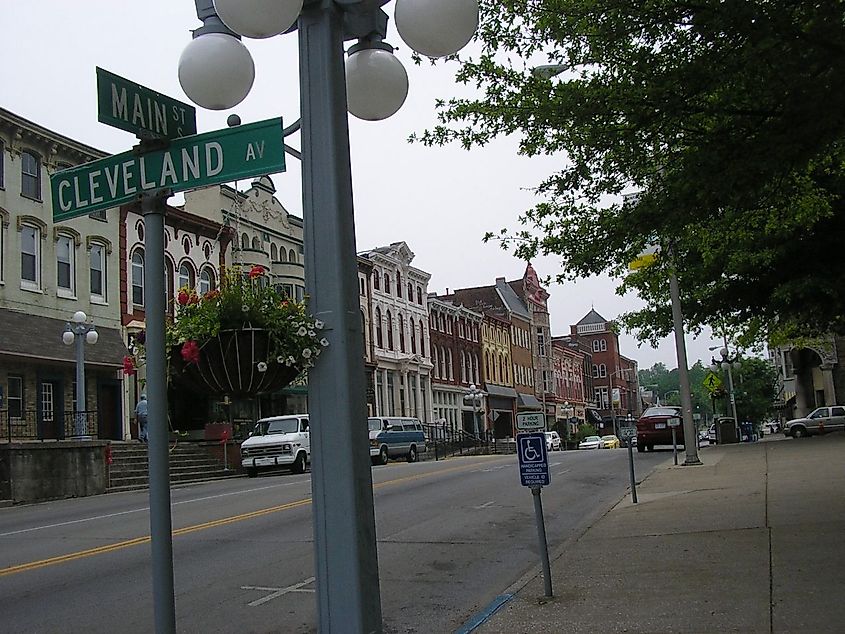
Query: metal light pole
point(631, 422)
point(346, 562)
point(728, 361)
point(80, 332)
point(475, 394)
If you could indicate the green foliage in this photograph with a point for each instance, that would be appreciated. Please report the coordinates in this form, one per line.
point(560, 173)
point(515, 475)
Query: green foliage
point(584, 430)
point(728, 119)
point(755, 386)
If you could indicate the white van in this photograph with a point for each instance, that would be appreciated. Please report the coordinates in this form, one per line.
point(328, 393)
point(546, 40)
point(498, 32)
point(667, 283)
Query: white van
point(395, 437)
point(278, 441)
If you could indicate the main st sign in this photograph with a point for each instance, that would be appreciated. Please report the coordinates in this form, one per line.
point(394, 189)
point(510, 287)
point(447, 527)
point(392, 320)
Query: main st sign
point(185, 163)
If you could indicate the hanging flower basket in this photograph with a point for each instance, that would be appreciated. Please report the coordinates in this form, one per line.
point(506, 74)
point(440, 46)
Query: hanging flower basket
point(233, 363)
point(243, 339)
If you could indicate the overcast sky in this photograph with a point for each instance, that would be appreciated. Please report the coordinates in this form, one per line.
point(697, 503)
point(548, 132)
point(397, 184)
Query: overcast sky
point(440, 201)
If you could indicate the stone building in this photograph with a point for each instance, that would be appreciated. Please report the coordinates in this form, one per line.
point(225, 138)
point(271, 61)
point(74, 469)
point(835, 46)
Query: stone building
point(810, 375)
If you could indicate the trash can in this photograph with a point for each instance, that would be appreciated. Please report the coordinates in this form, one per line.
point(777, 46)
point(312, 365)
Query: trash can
point(726, 431)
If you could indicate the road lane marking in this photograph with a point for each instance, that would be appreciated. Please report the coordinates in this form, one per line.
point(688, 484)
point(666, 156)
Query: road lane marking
point(485, 505)
point(564, 471)
point(278, 592)
point(99, 550)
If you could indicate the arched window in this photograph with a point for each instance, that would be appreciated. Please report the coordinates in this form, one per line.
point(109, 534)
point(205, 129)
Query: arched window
point(379, 329)
point(186, 275)
point(463, 367)
point(450, 365)
point(422, 338)
point(442, 320)
point(602, 345)
point(244, 241)
point(207, 280)
point(389, 331)
point(283, 255)
point(387, 283)
point(595, 371)
point(434, 361)
point(443, 371)
point(274, 252)
point(419, 295)
point(376, 281)
point(169, 285)
point(413, 326)
point(292, 256)
point(595, 345)
point(138, 278)
point(410, 292)
point(602, 370)
point(256, 243)
point(398, 284)
point(475, 368)
point(401, 333)
point(487, 368)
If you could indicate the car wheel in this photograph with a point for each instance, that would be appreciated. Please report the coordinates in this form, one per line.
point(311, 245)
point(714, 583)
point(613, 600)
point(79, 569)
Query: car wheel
point(382, 456)
point(412, 454)
point(251, 472)
point(798, 432)
point(651, 447)
point(640, 448)
point(299, 463)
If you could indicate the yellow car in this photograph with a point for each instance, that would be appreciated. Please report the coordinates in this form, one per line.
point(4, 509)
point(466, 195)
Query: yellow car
point(610, 442)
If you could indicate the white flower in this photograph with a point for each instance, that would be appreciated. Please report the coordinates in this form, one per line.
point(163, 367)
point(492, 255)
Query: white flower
point(302, 331)
point(262, 367)
point(324, 342)
point(290, 361)
point(306, 353)
point(318, 324)
point(317, 352)
point(280, 359)
point(311, 333)
point(245, 308)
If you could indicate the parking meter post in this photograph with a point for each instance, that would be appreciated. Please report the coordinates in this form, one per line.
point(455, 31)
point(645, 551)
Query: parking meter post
point(675, 446)
point(633, 477)
point(541, 536)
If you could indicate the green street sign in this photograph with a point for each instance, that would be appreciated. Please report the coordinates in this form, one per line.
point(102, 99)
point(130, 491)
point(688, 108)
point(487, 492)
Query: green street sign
point(146, 113)
point(216, 157)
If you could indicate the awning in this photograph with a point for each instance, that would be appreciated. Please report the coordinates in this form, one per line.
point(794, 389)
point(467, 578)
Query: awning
point(528, 401)
point(40, 339)
point(593, 416)
point(500, 390)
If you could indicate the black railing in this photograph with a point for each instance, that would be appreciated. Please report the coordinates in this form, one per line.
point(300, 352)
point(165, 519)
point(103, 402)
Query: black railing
point(445, 440)
point(34, 425)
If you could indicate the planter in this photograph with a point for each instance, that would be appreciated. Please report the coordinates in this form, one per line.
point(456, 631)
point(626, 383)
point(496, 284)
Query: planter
point(228, 365)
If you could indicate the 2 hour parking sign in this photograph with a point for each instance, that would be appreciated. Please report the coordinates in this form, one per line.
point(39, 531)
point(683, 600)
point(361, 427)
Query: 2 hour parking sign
point(533, 460)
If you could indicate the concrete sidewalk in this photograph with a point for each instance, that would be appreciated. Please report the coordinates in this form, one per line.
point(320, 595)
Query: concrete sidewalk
point(752, 541)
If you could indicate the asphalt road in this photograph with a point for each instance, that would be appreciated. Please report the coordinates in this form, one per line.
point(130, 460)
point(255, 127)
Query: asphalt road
point(452, 535)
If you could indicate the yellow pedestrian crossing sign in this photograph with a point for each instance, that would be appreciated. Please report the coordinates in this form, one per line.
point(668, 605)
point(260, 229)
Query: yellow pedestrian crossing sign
point(712, 382)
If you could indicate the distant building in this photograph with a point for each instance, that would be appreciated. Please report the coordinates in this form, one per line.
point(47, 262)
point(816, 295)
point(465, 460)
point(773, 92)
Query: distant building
point(810, 375)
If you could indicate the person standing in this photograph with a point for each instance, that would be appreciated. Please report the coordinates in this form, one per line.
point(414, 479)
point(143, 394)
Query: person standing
point(141, 418)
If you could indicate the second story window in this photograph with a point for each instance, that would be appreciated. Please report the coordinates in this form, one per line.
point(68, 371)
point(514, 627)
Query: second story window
point(387, 283)
point(389, 330)
point(138, 278)
point(30, 175)
point(186, 275)
point(541, 342)
point(398, 284)
point(401, 332)
point(65, 273)
point(97, 259)
point(30, 257)
point(207, 282)
point(379, 331)
point(376, 281)
point(419, 296)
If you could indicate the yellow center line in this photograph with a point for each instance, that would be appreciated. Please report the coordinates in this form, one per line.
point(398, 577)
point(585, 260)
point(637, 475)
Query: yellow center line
point(138, 541)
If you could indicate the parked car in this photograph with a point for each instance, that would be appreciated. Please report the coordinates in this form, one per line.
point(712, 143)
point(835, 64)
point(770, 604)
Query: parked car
point(553, 442)
point(610, 442)
point(653, 427)
point(819, 421)
point(711, 434)
point(278, 441)
point(590, 442)
point(395, 437)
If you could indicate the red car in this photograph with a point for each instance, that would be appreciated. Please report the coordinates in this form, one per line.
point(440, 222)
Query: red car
point(653, 427)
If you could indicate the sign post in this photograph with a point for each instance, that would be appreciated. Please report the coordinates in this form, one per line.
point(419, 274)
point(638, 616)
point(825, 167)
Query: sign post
point(674, 423)
point(534, 473)
point(627, 434)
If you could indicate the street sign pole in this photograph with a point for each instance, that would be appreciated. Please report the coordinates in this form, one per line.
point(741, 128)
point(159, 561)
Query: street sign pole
point(631, 467)
point(161, 540)
point(541, 537)
point(675, 445)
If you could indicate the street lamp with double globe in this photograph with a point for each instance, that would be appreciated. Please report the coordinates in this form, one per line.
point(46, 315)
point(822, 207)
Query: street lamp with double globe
point(80, 331)
point(475, 395)
point(216, 71)
point(727, 362)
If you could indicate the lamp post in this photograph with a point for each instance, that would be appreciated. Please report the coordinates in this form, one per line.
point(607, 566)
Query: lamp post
point(475, 395)
point(80, 331)
point(631, 422)
point(727, 362)
point(216, 72)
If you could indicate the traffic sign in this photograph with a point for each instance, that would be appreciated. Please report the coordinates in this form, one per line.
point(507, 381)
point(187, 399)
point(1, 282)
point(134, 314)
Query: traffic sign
point(533, 459)
point(144, 112)
point(530, 421)
point(215, 157)
point(712, 382)
point(626, 433)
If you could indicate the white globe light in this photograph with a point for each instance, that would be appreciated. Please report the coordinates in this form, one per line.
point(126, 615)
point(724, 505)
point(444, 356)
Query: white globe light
point(68, 337)
point(92, 337)
point(376, 84)
point(725, 365)
point(216, 71)
point(436, 28)
point(714, 368)
point(79, 317)
point(258, 18)
point(723, 352)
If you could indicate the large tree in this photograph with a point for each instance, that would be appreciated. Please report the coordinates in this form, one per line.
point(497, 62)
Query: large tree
point(727, 119)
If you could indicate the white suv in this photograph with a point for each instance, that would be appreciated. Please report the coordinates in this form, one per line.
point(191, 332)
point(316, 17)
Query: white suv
point(553, 442)
point(279, 441)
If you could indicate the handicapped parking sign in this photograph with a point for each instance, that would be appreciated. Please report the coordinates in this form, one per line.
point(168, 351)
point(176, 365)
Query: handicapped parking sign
point(533, 460)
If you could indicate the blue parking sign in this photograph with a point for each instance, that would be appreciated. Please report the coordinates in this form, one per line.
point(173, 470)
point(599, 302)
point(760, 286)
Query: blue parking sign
point(533, 460)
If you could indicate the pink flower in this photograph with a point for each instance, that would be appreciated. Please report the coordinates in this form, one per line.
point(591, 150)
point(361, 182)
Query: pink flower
point(183, 298)
point(256, 271)
point(190, 352)
point(128, 366)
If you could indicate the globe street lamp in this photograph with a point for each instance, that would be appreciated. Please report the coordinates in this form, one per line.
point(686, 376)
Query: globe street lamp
point(728, 361)
point(78, 330)
point(475, 395)
point(216, 73)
